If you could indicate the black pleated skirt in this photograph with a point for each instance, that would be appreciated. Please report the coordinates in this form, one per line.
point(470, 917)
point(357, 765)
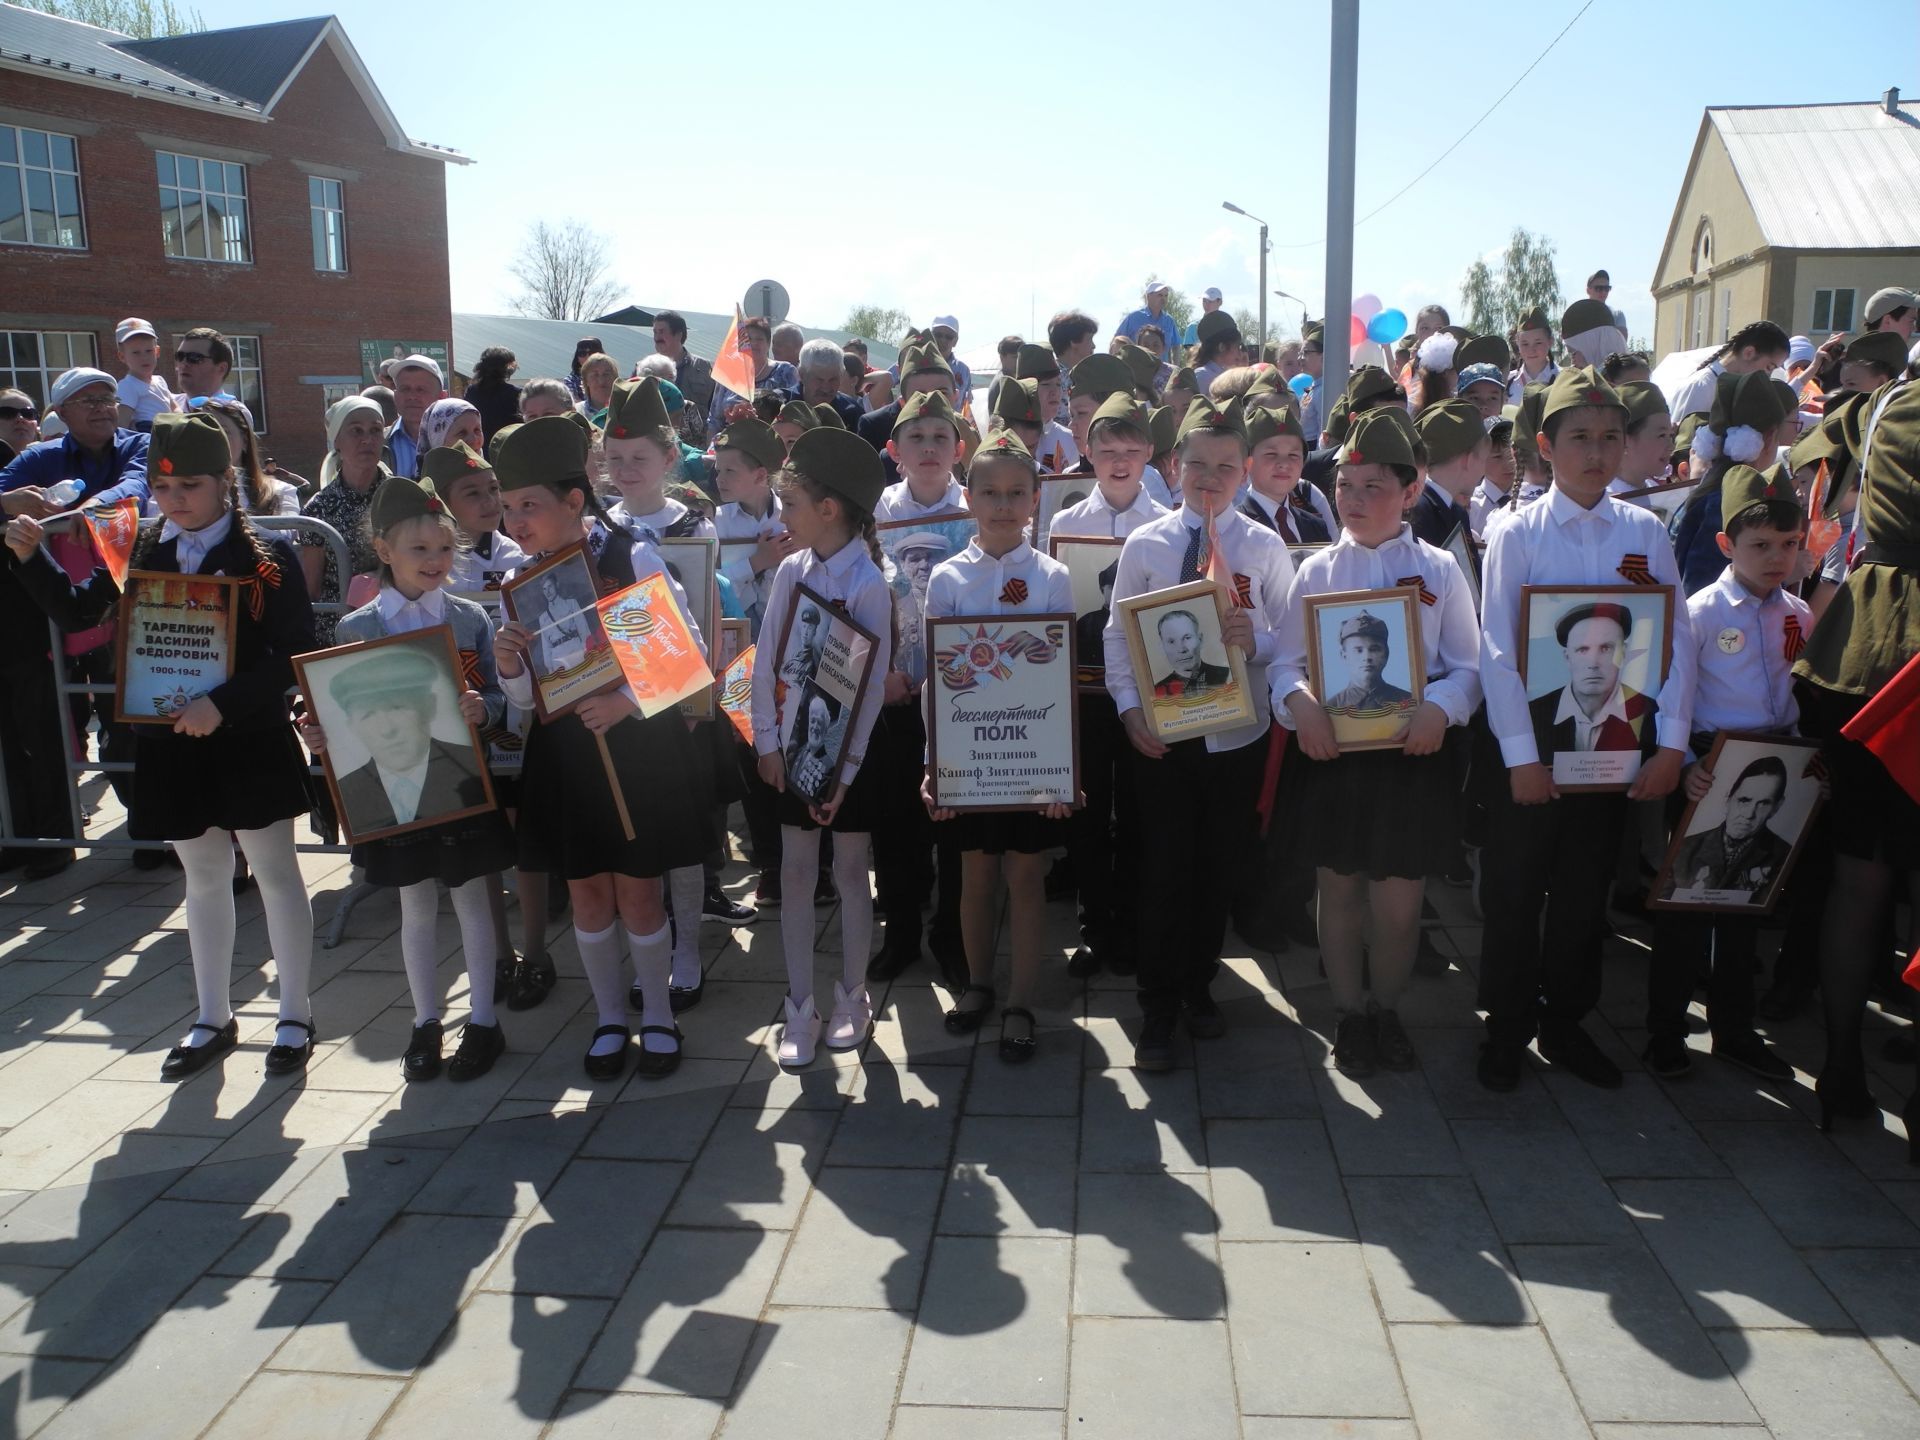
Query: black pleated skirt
point(229, 780)
point(1000, 832)
point(569, 824)
point(1379, 813)
point(863, 803)
point(452, 853)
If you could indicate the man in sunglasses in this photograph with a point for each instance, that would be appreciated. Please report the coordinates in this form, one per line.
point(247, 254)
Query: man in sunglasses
point(19, 423)
point(111, 464)
point(201, 364)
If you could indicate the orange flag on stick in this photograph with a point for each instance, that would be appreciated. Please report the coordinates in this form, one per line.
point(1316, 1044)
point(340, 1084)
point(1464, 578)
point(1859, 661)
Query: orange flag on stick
point(733, 367)
point(1889, 726)
point(113, 528)
point(736, 693)
point(1821, 532)
point(654, 644)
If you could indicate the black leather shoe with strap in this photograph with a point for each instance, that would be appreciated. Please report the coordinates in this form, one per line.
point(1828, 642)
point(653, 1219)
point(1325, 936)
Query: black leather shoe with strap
point(185, 1060)
point(291, 1059)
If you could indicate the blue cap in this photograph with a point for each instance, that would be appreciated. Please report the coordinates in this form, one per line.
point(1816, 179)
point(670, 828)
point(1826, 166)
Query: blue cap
point(1475, 374)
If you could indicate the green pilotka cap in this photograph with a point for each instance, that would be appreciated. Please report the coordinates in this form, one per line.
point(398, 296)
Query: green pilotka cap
point(927, 405)
point(1001, 445)
point(1642, 399)
point(549, 451)
point(1264, 422)
point(1379, 437)
point(1163, 429)
point(798, 412)
point(1450, 429)
point(1121, 406)
point(1368, 382)
point(1483, 350)
point(1141, 364)
point(1750, 400)
point(840, 461)
point(1101, 375)
point(1883, 348)
point(189, 444)
point(825, 414)
point(637, 408)
point(1742, 487)
point(448, 463)
point(1202, 415)
point(1526, 424)
point(500, 438)
point(923, 360)
point(1184, 379)
point(1035, 362)
point(754, 439)
point(1213, 323)
point(1578, 388)
point(1018, 403)
point(1584, 315)
point(399, 499)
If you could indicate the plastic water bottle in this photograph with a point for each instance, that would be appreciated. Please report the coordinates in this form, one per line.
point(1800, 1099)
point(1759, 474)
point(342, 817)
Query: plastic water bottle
point(66, 494)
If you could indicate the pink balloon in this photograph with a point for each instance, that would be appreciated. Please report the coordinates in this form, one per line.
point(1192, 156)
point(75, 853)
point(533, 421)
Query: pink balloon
point(1357, 331)
point(1366, 307)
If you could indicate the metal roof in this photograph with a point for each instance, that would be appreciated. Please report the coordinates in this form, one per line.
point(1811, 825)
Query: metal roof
point(35, 40)
point(1828, 177)
point(251, 61)
point(545, 347)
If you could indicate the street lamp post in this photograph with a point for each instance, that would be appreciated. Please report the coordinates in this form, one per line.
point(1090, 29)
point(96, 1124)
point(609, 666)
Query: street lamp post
point(1343, 83)
point(1303, 310)
point(1259, 345)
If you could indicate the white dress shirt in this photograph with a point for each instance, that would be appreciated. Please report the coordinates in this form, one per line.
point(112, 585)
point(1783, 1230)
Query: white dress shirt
point(1486, 500)
point(976, 583)
point(897, 502)
point(1556, 542)
point(478, 569)
point(656, 523)
point(191, 546)
point(1746, 651)
point(1587, 728)
point(1094, 516)
point(1151, 560)
point(1694, 395)
point(741, 532)
point(850, 579)
point(404, 616)
point(403, 788)
point(1449, 629)
point(1517, 383)
point(1057, 452)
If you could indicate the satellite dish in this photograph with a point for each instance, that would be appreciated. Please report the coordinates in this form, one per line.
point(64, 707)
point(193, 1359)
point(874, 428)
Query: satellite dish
point(767, 298)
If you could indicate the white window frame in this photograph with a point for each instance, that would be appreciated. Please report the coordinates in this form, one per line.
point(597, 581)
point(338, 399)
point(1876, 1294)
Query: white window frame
point(247, 374)
point(36, 376)
point(234, 202)
point(1726, 313)
point(329, 223)
point(22, 170)
point(1831, 296)
point(1702, 302)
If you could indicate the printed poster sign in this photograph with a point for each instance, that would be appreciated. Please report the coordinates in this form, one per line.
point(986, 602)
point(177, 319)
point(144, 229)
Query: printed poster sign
point(1001, 730)
point(654, 645)
point(373, 353)
point(175, 642)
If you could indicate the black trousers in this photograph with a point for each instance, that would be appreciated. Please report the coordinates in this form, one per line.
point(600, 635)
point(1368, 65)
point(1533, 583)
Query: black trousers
point(757, 805)
point(1103, 836)
point(1687, 947)
point(1201, 823)
point(1551, 862)
point(33, 744)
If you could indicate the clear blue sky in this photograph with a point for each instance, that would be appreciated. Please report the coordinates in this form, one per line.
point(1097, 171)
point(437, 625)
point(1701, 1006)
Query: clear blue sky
point(1008, 160)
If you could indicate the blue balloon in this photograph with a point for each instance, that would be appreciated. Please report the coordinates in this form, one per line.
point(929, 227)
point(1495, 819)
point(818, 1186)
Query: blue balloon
point(1387, 327)
point(1301, 383)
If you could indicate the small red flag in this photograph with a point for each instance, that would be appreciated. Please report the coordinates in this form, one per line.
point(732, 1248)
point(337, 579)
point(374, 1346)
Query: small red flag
point(733, 367)
point(1889, 726)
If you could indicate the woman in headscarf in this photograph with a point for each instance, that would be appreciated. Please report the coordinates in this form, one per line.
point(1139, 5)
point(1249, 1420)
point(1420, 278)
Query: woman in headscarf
point(448, 420)
point(351, 473)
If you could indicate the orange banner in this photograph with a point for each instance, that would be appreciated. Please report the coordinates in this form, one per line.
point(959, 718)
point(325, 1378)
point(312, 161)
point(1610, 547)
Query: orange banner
point(733, 367)
point(113, 528)
point(654, 644)
point(736, 693)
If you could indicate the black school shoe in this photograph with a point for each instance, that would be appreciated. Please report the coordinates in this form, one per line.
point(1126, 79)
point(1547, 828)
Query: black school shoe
point(1500, 1066)
point(422, 1060)
point(480, 1046)
point(1569, 1047)
point(45, 869)
point(657, 1064)
point(685, 997)
point(608, 1067)
point(1354, 1051)
point(291, 1059)
point(530, 983)
point(1204, 1020)
point(1153, 1051)
point(185, 1060)
point(1668, 1056)
point(1747, 1050)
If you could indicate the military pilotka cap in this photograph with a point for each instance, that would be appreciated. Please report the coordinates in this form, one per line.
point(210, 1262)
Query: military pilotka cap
point(637, 408)
point(754, 439)
point(1121, 406)
point(1036, 362)
point(1578, 389)
point(190, 444)
point(1642, 399)
point(1526, 422)
point(798, 412)
point(1585, 315)
point(1262, 423)
point(1748, 400)
point(841, 462)
point(1214, 322)
point(399, 499)
point(445, 464)
point(1313, 333)
point(927, 405)
point(1379, 437)
point(1369, 382)
point(1363, 626)
point(1267, 381)
point(548, 451)
point(500, 438)
point(1742, 487)
point(1483, 350)
point(1884, 348)
point(1018, 403)
point(388, 673)
point(1819, 443)
point(1163, 429)
point(1184, 379)
point(924, 360)
point(1002, 445)
point(1204, 417)
point(1101, 375)
point(825, 414)
point(1534, 319)
point(1141, 364)
point(1684, 432)
point(1450, 429)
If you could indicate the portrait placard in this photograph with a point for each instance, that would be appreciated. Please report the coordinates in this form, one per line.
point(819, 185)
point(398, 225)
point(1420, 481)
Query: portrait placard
point(400, 756)
point(1734, 848)
point(912, 548)
point(694, 561)
point(654, 646)
point(1594, 659)
point(1057, 493)
point(1191, 682)
point(1365, 664)
point(1092, 561)
point(826, 661)
point(1001, 732)
point(1466, 554)
point(173, 642)
point(569, 654)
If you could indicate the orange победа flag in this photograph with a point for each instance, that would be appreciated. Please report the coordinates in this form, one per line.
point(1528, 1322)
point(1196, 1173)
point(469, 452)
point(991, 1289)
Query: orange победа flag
point(733, 367)
point(112, 529)
point(654, 644)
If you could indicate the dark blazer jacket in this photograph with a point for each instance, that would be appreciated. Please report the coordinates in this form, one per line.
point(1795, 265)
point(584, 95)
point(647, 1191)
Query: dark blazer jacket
point(1210, 677)
point(1635, 733)
point(1306, 521)
point(453, 784)
point(1434, 518)
point(1727, 866)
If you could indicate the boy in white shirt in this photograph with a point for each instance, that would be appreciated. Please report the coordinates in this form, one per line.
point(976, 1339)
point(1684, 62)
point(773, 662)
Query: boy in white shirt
point(140, 389)
point(752, 539)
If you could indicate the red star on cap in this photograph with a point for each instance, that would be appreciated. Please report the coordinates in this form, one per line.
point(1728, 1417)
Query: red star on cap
point(434, 507)
point(619, 432)
point(166, 465)
point(1356, 457)
point(472, 464)
point(1594, 397)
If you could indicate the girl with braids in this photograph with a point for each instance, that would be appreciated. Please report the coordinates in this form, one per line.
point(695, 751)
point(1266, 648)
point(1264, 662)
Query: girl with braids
point(569, 823)
point(828, 491)
point(229, 761)
point(1761, 346)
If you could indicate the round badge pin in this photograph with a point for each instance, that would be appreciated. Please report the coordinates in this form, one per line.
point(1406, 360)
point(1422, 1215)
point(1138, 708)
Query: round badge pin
point(1731, 641)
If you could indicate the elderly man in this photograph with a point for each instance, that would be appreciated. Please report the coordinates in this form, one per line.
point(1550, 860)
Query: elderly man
point(788, 340)
point(110, 464)
point(692, 373)
point(823, 365)
point(417, 383)
point(1153, 312)
point(201, 364)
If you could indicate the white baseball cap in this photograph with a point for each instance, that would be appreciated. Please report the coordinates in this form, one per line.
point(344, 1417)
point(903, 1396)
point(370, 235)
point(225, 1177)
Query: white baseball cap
point(422, 362)
point(946, 322)
point(131, 326)
point(1212, 292)
point(80, 378)
point(1158, 287)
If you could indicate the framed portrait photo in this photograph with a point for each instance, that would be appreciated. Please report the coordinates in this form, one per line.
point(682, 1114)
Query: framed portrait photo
point(173, 642)
point(735, 637)
point(694, 561)
point(1735, 847)
point(1365, 663)
point(570, 656)
point(1594, 659)
point(826, 661)
point(400, 756)
point(912, 548)
point(1305, 549)
point(1002, 708)
point(1057, 493)
point(1191, 683)
point(1092, 562)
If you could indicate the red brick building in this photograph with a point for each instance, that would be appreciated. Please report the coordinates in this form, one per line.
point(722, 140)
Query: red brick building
point(251, 179)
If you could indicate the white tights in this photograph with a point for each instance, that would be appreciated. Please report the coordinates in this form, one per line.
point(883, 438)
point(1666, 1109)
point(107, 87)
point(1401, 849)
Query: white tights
point(207, 860)
point(687, 888)
point(799, 867)
point(419, 947)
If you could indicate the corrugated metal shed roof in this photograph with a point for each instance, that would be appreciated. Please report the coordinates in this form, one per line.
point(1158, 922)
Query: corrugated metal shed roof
point(251, 61)
point(545, 347)
point(1828, 177)
point(35, 38)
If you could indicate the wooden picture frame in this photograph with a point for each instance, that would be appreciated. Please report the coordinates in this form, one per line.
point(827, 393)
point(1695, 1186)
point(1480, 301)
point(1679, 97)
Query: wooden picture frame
point(1302, 549)
point(1088, 558)
point(457, 783)
point(1003, 712)
point(1057, 493)
point(1367, 713)
point(1706, 846)
point(173, 641)
point(567, 583)
point(735, 637)
point(1173, 711)
point(683, 555)
point(1544, 669)
point(830, 660)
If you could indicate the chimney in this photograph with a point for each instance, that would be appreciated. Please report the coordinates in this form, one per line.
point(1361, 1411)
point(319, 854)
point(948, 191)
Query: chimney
point(1890, 102)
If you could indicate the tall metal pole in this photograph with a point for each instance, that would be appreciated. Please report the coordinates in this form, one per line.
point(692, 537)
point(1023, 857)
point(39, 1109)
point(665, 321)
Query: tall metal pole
point(1343, 84)
point(1260, 349)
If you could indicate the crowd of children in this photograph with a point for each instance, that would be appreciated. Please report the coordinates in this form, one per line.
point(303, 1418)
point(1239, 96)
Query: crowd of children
point(1468, 485)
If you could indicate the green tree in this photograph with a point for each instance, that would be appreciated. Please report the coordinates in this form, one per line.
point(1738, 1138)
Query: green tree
point(1495, 300)
point(142, 19)
point(1247, 322)
point(877, 322)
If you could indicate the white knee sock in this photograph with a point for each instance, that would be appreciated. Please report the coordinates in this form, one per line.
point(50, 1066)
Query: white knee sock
point(652, 965)
point(850, 853)
point(207, 861)
point(473, 908)
point(419, 946)
point(600, 958)
point(283, 894)
point(688, 888)
point(799, 867)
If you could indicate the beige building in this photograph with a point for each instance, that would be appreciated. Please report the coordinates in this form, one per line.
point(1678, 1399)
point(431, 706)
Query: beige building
point(1790, 213)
